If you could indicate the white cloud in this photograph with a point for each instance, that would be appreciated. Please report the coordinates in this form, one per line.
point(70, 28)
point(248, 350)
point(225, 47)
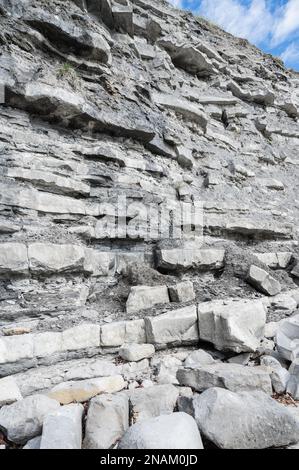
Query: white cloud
point(176, 3)
point(252, 21)
point(291, 54)
point(255, 20)
point(288, 23)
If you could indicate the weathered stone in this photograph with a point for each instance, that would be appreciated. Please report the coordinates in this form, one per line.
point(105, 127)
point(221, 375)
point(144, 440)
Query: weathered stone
point(116, 334)
point(199, 358)
point(143, 297)
point(13, 258)
point(262, 280)
point(153, 401)
point(174, 327)
point(33, 444)
point(107, 420)
point(293, 383)
point(165, 369)
point(287, 338)
point(136, 352)
point(188, 57)
point(174, 431)
point(24, 419)
point(82, 390)
point(182, 292)
point(233, 325)
point(245, 420)
point(278, 260)
point(234, 377)
point(9, 391)
point(176, 259)
point(44, 258)
point(62, 429)
point(279, 375)
point(183, 107)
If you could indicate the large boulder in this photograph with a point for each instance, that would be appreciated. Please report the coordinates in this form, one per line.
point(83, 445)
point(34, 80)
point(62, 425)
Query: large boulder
point(234, 377)
point(107, 420)
point(263, 281)
point(24, 419)
point(279, 375)
point(293, 383)
point(172, 259)
point(9, 391)
point(136, 352)
point(62, 429)
point(287, 338)
point(173, 328)
point(174, 431)
point(143, 297)
point(82, 390)
point(245, 420)
point(233, 325)
point(153, 401)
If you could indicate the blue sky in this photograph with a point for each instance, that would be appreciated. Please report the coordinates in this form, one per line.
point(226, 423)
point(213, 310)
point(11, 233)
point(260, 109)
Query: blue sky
point(272, 25)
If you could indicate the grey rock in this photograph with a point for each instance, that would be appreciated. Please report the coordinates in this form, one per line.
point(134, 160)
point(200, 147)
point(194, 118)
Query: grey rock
point(245, 420)
point(279, 375)
point(263, 281)
point(136, 352)
point(234, 377)
point(107, 420)
point(24, 419)
point(174, 431)
point(182, 292)
point(174, 327)
point(287, 338)
point(293, 383)
point(200, 358)
point(153, 401)
point(62, 429)
point(33, 444)
point(9, 391)
point(232, 325)
point(143, 297)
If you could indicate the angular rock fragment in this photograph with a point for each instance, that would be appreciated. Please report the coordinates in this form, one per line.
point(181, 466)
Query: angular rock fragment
point(154, 401)
point(188, 57)
point(136, 352)
point(287, 338)
point(24, 419)
point(263, 281)
point(62, 429)
point(118, 333)
point(182, 292)
point(199, 358)
point(82, 390)
point(143, 297)
point(233, 377)
point(279, 375)
point(174, 431)
point(107, 420)
point(179, 258)
point(245, 420)
point(13, 258)
point(232, 325)
point(9, 391)
point(293, 383)
point(174, 327)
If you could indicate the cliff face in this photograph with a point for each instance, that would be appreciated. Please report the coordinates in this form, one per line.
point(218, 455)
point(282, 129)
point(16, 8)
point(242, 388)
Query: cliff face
point(149, 169)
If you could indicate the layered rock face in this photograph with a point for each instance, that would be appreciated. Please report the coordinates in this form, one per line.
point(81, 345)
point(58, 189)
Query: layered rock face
point(148, 208)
